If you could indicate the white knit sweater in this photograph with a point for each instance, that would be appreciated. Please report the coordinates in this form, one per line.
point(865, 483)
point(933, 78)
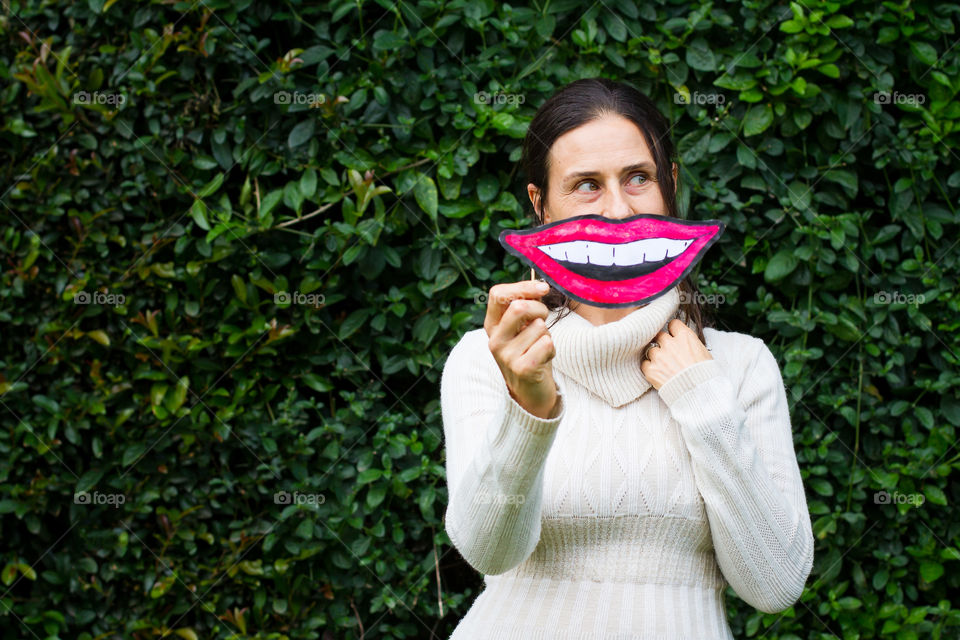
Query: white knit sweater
point(627, 514)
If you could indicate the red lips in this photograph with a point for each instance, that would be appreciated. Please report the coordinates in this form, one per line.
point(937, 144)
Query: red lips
point(656, 252)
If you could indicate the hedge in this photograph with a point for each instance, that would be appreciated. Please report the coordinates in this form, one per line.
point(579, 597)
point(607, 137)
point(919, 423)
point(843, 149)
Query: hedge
point(239, 239)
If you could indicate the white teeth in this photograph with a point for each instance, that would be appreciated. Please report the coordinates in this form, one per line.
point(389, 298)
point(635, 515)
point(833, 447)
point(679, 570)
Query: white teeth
point(622, 255)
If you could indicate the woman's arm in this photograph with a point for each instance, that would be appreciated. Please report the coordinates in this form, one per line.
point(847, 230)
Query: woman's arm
point(746, 470)
point(495, 454)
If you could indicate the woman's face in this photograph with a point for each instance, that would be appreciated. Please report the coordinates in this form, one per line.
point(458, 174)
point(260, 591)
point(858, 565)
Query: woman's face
point(602, 167)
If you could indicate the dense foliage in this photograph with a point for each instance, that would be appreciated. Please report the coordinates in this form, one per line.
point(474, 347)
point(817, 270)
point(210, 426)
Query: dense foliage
point(239, 239)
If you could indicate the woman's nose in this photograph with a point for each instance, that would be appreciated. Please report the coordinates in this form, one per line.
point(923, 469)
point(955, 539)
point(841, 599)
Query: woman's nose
point(616, 205)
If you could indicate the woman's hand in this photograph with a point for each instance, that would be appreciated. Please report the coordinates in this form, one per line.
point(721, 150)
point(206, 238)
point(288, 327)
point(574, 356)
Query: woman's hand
point(672, 353)
point(521, 344)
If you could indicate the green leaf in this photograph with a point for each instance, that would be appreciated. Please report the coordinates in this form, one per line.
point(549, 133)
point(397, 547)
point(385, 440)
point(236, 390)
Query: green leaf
point(211, 187)
point(133, 452)
point(925, 416)
point(239, 288)
point(157, 392)
point(199, 214)
point(9, 573)
point(375, 496)
point(369, 476)
point(88, 480)
point(802, 118)
point(930, 570)
point(839, 22)
point(935, 494)
point(830, 70)
point(800, 195)
point(292, 196)
point(270, 202)
point(880, 579)
point(545, 26)
point(176, 399)
point(699, 56)
point(425, 328)
point(846, 179)
point(48, 404)
point(161, 586)
point(612, 24)
point(791, 26)
point(758, 118)
point(780, 266)
point(821, 486)
point(353, 322)
point(204, 162)
point(305, 528)
point(425, 192)
point(316, 383)
point(924, 52)
point(300, 133)
point(308, 184)
point(487, 188)
point(741, 80)
point(746, 156)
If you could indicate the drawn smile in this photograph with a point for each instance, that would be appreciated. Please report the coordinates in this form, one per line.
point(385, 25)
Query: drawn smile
point(614, 263)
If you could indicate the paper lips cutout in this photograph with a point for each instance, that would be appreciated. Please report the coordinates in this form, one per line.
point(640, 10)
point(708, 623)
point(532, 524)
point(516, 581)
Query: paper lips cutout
point(614, 263)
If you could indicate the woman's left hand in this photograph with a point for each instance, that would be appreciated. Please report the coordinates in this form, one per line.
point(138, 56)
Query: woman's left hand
point(672, 353)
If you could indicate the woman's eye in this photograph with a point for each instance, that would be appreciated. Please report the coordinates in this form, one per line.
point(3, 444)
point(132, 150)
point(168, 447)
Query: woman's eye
point(638, 175)
point(586, 183)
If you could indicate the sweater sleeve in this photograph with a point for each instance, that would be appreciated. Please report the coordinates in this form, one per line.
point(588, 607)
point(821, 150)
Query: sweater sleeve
point(495, 455)
point(746, 469)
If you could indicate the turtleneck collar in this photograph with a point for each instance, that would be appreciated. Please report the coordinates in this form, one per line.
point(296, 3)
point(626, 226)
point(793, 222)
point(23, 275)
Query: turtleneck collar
point(606, 358)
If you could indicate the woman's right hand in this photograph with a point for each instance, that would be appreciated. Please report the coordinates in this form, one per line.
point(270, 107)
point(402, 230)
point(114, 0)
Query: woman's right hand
point(521, 343)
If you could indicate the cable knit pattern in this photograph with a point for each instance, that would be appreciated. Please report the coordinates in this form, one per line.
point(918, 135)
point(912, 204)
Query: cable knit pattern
point(627, 513)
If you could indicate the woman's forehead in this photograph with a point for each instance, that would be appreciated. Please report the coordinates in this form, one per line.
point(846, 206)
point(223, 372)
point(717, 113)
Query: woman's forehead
point(607, 143)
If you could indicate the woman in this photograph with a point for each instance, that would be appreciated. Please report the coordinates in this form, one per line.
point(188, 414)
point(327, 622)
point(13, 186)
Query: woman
point(604, 490)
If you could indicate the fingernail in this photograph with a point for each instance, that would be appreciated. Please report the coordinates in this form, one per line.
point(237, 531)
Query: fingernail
point(542, 286)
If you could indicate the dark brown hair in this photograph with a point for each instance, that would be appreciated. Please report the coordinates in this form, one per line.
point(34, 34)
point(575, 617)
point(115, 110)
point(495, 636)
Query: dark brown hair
point(578, 103)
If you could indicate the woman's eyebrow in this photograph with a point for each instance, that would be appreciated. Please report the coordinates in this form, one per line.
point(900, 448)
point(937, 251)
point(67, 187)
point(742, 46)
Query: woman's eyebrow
point(645, 166)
